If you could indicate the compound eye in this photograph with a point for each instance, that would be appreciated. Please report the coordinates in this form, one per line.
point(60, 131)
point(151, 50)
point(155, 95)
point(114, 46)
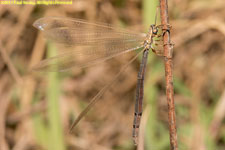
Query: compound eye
point(155, 31)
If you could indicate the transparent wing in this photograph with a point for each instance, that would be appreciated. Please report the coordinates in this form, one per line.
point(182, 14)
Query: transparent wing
point(95, 99)
point(99, 41)
point(74, 59)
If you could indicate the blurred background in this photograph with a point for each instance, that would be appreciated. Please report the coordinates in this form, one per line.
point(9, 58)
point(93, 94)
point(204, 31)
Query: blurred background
point(37, 109)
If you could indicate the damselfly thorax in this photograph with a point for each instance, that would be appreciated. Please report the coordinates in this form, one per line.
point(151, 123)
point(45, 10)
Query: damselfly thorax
point(153, 32)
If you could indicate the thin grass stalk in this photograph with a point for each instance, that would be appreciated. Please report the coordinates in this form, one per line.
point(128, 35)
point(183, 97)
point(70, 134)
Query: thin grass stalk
point(168, 62)
point(56, 139)
point(151, 91)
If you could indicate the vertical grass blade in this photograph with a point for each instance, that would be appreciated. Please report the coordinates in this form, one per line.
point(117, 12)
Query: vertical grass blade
point(149, 12)
point(56, 139)
point(40, 128)
point(156, 136)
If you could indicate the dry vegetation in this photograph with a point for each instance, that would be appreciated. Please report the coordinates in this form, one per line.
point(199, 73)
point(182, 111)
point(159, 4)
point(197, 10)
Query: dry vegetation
point(199, 57)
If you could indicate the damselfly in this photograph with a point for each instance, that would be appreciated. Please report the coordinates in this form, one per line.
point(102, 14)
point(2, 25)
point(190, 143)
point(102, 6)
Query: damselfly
point(99, 42)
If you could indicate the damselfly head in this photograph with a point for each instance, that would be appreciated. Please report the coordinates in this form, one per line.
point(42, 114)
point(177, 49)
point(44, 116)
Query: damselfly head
point(154, 29)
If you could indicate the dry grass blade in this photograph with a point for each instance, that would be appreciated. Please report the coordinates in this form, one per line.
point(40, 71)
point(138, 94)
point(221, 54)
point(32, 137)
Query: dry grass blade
point(218, 116)
point(10, 65)
point(4, 103)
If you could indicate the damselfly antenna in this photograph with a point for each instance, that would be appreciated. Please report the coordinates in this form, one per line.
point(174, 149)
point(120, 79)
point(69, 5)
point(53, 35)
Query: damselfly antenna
point(156, 14)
